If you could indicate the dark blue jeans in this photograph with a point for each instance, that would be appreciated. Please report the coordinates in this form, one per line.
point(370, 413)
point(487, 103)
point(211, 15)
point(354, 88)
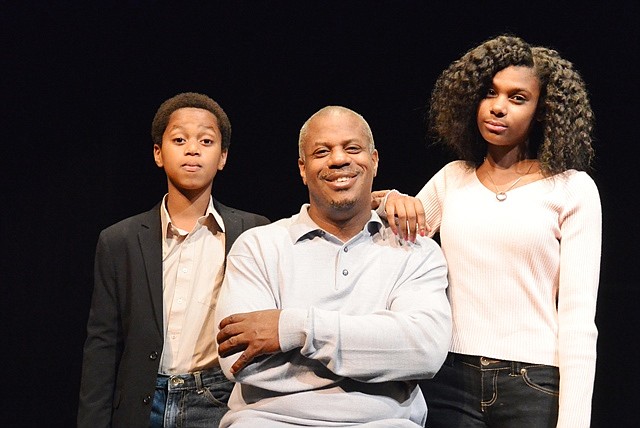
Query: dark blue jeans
point(193, 400)
point(472, 391)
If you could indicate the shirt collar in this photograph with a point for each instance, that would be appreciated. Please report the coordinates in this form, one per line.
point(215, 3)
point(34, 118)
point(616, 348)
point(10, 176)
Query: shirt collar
point(304, 227)
point(165, 218)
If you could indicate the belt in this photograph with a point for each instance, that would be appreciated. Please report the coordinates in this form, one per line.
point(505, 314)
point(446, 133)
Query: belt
point(196, 380)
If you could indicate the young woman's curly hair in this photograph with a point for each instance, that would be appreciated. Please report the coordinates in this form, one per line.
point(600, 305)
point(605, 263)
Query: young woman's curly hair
point(561, 136)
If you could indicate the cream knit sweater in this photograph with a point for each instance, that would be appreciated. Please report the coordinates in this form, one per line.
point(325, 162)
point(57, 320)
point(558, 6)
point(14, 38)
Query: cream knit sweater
point(523, 273)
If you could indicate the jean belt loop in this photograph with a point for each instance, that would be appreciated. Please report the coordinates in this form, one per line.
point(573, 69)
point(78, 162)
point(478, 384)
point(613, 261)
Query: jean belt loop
point(515, 368)
point(198, 377)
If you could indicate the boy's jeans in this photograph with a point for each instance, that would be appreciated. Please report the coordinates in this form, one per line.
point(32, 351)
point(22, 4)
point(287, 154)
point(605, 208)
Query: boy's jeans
point(193, 400)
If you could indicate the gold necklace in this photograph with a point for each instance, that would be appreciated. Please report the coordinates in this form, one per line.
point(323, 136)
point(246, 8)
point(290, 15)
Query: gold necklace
point(502, 195)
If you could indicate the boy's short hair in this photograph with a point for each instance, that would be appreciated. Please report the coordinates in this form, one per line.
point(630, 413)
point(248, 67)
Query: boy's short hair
point(190, 100)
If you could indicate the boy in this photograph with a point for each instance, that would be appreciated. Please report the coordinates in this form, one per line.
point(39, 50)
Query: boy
point(150, 357)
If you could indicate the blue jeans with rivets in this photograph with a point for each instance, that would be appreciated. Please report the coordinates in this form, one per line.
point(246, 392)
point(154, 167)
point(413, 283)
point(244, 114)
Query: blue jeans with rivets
point(193, 400)
point(479, 392)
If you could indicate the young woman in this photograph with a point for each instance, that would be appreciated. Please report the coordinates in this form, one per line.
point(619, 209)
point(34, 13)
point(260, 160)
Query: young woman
point(520, 225)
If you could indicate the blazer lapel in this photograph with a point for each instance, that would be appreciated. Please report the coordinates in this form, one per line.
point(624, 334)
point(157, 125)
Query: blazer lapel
point(233, 224)
point(150, 239)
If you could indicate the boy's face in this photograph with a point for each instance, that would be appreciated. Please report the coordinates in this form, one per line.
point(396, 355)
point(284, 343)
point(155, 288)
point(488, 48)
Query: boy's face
point(191, 152)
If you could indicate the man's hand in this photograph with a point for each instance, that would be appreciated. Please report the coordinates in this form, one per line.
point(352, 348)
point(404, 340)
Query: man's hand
point(408, 214)
point(252, 333)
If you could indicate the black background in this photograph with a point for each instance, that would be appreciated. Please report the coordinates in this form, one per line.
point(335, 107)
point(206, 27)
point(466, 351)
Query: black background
point(81, 81)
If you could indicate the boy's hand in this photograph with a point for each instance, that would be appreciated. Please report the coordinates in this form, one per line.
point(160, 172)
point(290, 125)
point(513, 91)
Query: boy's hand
point(252, 333)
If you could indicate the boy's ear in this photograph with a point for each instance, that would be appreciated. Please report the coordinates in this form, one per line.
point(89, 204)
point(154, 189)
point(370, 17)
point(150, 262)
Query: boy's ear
point(157, 155)
point(223, 159)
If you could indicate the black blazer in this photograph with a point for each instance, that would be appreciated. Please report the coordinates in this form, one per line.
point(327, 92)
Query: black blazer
point(124, 331)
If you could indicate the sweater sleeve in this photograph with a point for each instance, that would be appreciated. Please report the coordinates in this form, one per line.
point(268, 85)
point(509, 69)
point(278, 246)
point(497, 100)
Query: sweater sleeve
point(432, 194)
point(580, 248)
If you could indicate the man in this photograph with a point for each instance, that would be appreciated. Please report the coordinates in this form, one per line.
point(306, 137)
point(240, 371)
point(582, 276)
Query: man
point(327, 318)
point(150, 357)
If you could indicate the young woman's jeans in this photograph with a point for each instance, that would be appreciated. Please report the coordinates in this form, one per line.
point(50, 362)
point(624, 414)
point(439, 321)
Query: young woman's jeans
point(472, 391)
point(193, 400)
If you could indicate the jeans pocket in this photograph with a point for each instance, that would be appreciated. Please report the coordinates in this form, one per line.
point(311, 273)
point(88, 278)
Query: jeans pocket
point(218, 394)
point(542, 378)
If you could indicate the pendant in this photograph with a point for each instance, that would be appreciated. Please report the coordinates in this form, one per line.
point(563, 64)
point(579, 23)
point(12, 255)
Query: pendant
point(501, 196)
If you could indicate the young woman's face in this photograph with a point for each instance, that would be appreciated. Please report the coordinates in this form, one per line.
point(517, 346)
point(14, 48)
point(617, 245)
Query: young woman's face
point(507, 112)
